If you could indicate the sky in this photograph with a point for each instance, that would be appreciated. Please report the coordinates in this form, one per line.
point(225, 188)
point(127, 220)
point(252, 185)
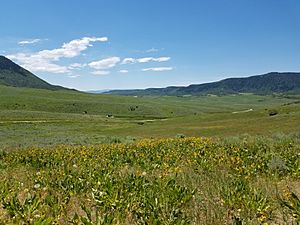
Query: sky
point(126, 44)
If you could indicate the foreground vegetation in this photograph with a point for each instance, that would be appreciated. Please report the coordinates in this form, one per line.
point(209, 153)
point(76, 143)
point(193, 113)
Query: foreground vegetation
point(164, 181)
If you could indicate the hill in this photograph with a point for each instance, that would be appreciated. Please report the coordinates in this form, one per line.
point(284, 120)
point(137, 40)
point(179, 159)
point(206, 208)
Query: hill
point(39, 117)
point(261, 84)
point(14, 75)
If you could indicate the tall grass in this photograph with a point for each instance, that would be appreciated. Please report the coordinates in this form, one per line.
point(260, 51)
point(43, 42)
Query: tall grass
point(166, 181)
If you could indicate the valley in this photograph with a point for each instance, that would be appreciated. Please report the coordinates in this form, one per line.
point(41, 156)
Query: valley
point(43, 117)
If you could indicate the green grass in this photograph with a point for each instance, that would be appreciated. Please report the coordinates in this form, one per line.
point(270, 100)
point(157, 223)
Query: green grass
point(63, 161)
point(39, 117)
point(166, 181)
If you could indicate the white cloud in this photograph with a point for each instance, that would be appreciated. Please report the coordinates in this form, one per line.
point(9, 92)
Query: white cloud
point(151, 59)
point(36, 63)
point(101, 72)
point(31, 41)
point(71, 49)
point(123, 71)
point(44, 60)
point(145, 60)
point(152, 50)
point(158, 69)
point(77, 66)
point(105, 63)
point(128, 60)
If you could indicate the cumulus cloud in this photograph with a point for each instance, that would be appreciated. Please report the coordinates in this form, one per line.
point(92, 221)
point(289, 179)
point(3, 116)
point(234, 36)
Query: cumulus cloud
point(28, 42)
point(104, 64)
point(101, 72)
point(45, 60)
point(145, 60)
point(123, 71)
point(35, 62)
point(158, 69)
point(71, 49)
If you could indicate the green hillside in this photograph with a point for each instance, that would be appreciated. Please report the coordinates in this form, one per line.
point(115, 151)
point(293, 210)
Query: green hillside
point(36, 116)
point(68, 157)
point(261, 84)
point(42, 117)
point(12, 74)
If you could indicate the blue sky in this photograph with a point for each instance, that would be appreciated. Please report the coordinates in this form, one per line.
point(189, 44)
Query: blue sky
point(96, 44)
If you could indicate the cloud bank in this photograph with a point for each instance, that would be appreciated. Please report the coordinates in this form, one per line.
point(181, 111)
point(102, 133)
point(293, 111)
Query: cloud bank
point(48, 60)
point(45, 60)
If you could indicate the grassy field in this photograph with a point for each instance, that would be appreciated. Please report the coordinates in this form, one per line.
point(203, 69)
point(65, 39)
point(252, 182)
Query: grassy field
point(166, 181)
point(37, 117)
point(75, 158)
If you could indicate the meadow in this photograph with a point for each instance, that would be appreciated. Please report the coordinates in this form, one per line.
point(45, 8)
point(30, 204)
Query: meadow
point(75, 158)
point(164, 181)
point(32, 117)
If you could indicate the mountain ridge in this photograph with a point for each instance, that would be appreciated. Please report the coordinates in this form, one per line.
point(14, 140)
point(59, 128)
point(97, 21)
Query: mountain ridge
point(11, 74)
point(273, 82)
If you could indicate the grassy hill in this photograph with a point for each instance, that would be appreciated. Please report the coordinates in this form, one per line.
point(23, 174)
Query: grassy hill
point(75, 158)
point(42, 117)
point(14, 75)
point(261, 84)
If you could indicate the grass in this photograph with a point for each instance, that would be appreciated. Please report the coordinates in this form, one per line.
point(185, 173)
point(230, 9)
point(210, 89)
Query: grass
point(164, 181)
point(74, 158)
point(42, 118)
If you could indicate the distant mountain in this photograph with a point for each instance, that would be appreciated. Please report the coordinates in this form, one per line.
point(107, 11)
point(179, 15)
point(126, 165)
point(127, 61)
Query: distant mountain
point(261, 84)
point(14, 75)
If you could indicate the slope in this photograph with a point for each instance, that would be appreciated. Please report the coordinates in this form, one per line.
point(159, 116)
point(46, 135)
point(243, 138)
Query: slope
point(14, 75)
point(261, 84)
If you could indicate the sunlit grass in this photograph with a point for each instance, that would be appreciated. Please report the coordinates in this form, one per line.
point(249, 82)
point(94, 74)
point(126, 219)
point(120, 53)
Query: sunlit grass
point(165, 181)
